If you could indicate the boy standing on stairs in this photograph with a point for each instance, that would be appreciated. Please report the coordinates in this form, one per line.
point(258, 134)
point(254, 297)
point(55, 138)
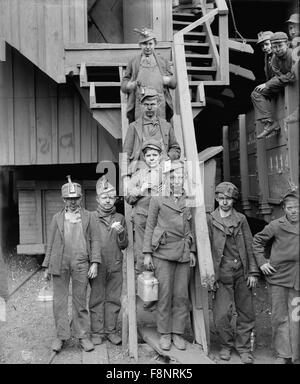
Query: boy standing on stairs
point(149, 126)
point(148, 70)
point(106, 288)
point(281, 64)
point(146, 182)
point(236, 271)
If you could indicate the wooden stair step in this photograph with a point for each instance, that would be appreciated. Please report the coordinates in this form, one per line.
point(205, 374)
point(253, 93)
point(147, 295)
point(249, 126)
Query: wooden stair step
point(197, 104)
point(188, 44)
point(105, 105)
point(181, 23)
point(184, 16)
point(201, 69)
point(102, 84)
point(198, 56)
point(194, 83)
point(194, 35)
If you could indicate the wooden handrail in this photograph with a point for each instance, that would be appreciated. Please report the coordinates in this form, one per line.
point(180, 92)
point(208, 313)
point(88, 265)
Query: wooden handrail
point(198, 22)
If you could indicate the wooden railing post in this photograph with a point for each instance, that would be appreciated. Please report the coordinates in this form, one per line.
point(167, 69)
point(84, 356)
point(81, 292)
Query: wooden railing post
point(223, 46)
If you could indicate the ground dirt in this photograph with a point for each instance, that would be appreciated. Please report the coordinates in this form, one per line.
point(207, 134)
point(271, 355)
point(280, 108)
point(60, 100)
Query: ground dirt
point(26, 336)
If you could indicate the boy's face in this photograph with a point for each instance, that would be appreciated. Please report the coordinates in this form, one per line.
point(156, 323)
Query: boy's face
point(177, 180)
point(72, 203)
point(266, 46)
point(150, 106)
point(106, 200)
point(291, 209)
point(152, 157)
point(293, 30)
point(280, 48)
point(225, 202)
point(148, 47)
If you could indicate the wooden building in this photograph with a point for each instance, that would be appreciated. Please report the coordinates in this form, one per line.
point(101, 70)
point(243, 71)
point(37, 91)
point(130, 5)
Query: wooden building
point(62, 112)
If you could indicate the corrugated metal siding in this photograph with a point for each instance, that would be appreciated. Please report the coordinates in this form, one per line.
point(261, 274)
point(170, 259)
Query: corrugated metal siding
point(42, 122)
point(39, 29)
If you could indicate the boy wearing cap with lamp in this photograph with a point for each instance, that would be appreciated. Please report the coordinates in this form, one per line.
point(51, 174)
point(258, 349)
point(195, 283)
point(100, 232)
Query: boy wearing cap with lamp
point(148, 70)
point(169, 248)
point(73, 252)
point(145, 183)
point(149, 126)
point(106, 287)
point(281, 64)
point(236, 271)
point(282, 274)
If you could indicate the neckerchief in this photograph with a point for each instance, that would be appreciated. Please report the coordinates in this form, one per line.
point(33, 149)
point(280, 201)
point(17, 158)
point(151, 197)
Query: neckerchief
point(105, 214)
point(73, 216)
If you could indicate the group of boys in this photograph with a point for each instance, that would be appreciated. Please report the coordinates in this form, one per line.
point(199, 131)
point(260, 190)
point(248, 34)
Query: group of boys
point(88, 246)
point(280, 70)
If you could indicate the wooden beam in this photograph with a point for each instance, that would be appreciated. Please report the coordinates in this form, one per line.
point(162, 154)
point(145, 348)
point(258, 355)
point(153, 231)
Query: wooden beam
point(236, 46)
point(240, 71)
point(2, 50)
point(223, 48)
point(222, 7)
point(244, 172)
point(226, 158)
point(129, 314)
point(198, 22)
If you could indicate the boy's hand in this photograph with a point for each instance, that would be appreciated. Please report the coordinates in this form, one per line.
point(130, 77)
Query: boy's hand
point(251, 281)
point(47, 275)
point(267, 269)
point(166, 80)
point(192, 259)
point(148, 262)
point(117, 226)
point(131, 85)
point(93, 271)
point(260, 87)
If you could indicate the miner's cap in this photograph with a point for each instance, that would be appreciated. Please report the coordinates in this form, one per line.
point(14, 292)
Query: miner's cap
point(294, 18)
point(278, 36)
point(149, 92)
point(71, 190)
point(263, 36)
point(228, 189)
point(146, 34)
point(152, 144)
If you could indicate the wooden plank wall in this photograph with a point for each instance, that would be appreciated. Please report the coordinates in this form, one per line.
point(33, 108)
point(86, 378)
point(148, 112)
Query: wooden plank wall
point(42, 122)
point(39, 29)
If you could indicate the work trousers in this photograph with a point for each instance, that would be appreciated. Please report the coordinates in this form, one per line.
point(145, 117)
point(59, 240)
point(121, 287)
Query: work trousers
point(139, 224)
point(285, 321)
point(105, 303)
point(173, 297)
point(226, 296)
point(262, 101)
point(80, 319)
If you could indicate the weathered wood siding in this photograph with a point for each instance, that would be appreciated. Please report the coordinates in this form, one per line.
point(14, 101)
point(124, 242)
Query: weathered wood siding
point(39, 29)
point(42, 122)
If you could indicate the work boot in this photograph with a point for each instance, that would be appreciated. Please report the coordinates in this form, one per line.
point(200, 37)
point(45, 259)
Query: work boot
point(246, 358)
point(281, 360)
point(86, 345)
point(179, 341)
point(224, 354)
point(114, 338)
point(57, 345)
point(165, 341)
point(97, 339)
point(269, 127)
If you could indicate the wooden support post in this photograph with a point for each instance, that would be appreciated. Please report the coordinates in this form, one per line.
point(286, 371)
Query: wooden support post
point(226, 158)
point(2, 50)
point(262, 169)
point(129, 303)
point(195, 193)
point(244, 164)
point(223, 47)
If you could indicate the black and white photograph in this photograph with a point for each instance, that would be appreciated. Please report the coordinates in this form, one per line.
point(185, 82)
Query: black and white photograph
point(149, 185)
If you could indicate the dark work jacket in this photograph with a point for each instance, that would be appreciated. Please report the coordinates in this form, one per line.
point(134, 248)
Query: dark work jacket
point(243, 238)
point(111, 243)
point(284, 251)
point(134, 139)
point(55, 244)
point(131, 73)
point(169, 229)
point(268, 67)
point(282, 68)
